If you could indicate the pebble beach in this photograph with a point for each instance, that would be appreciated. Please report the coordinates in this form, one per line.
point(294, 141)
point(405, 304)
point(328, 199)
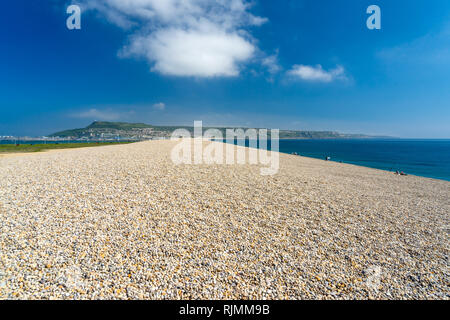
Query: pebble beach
point(125, 222)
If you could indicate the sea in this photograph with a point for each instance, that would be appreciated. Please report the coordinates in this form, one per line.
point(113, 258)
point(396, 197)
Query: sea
point(426, 158)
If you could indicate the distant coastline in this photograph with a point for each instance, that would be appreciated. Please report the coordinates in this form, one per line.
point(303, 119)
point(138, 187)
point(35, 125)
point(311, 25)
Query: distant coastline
point(142, 131)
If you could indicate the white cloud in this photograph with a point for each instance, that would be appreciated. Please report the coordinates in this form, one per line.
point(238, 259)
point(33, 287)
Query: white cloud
point(201, 53)
point(159, 106)
point(271, 63)
point(201, 38)
point(317, 73)
point(95, 114)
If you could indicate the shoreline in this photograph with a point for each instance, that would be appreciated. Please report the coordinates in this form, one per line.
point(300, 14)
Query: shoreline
point(14, 154)
point(359, 165)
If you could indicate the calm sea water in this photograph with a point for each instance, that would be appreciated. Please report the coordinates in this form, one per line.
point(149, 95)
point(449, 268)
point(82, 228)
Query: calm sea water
point(427, 158)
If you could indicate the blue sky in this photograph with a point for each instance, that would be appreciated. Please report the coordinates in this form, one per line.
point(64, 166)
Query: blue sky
point(305, 64)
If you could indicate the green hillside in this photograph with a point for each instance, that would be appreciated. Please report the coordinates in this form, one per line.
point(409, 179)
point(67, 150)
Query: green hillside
point(117, 125)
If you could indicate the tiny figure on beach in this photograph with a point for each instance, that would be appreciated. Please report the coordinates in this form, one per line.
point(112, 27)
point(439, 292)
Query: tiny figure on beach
point(327, 158)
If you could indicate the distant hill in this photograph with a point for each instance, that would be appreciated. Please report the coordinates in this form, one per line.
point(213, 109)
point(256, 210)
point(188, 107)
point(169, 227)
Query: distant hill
point(98, 127)
point(141, 131)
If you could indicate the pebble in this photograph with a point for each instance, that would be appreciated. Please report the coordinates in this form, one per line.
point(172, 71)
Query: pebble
point(124, 222)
